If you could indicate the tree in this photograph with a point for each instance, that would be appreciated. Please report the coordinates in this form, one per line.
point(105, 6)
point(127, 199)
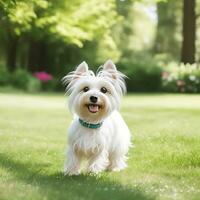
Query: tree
point(41, 22)
point(134, 34)
point(168, 37)
point(189, 32)
point(16, 19)
point(75, 23)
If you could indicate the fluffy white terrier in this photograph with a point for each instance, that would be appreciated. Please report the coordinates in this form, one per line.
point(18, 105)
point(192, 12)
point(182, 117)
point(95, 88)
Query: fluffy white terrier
point(98, 133)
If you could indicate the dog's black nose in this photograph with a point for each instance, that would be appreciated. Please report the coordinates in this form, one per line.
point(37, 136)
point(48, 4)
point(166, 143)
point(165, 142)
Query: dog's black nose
point(93, 99)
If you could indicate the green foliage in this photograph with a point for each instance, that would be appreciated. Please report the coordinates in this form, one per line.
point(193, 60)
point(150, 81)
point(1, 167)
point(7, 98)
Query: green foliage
point(181, 78)
point(129, 33)
point(33, 85)
point(59, 25)
point(5, 77)
point(21, 79)
point(83, 20)
point(168, 34)
point(143, 76)
point(53, 85)
point(56, 35)
point(71, 22)
point(107, 48)
point(20, 15)
point(24, 80)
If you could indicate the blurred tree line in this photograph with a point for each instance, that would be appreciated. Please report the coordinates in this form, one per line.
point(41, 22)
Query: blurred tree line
point(56, 35)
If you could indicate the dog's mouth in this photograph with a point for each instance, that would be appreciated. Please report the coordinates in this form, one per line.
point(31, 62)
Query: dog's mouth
point(93, 108)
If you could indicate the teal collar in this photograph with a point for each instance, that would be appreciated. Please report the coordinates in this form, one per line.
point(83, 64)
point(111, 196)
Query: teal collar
point(89, 125)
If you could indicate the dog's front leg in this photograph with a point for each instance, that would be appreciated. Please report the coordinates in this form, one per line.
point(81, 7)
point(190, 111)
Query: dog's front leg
point(72, 163)
point(117, 162)
point(98, 162)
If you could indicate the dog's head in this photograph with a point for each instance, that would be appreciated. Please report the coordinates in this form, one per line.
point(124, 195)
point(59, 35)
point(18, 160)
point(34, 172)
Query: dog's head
point(93, 97)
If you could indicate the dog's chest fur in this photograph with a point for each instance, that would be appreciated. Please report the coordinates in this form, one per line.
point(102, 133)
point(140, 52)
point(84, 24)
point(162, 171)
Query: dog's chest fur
point(88, 142)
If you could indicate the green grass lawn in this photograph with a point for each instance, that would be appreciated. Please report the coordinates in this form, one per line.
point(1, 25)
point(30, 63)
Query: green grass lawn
point(164, 164)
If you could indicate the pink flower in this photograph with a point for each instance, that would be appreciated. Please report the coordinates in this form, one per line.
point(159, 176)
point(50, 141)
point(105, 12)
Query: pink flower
point(43, 76)
point(165, 75)
point(180, 83)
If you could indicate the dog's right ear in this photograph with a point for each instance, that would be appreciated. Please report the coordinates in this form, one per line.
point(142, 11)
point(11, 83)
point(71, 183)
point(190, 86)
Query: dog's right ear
point(70, 79)
point(81, 69)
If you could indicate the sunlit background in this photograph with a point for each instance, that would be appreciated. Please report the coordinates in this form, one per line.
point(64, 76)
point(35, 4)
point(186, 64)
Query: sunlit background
point(147, 40)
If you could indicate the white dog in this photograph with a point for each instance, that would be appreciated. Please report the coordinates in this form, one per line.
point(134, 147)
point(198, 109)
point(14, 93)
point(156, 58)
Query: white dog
point(98, 133)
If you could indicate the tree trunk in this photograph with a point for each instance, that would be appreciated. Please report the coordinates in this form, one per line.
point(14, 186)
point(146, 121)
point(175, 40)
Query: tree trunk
point(189, 30)
point(37, 56)
point(11, 54)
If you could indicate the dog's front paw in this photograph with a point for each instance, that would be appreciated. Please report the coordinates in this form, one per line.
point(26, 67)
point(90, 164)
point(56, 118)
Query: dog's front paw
point(71, 172)
point(117, 166)
point(95, 168)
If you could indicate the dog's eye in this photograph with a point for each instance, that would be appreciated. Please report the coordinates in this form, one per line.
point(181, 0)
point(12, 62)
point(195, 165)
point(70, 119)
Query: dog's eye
point(85, 89)
point(103, 90)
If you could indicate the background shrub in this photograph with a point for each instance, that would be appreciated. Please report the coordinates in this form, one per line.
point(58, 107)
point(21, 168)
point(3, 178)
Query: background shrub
point(181, 78)
point(5, 78)
point(24, 80)
point(142, 76)
point(48, 82)
point(51, 85)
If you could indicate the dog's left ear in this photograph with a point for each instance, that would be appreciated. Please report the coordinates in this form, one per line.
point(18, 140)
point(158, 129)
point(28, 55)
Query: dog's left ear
point(110, 71)
point(110, 67)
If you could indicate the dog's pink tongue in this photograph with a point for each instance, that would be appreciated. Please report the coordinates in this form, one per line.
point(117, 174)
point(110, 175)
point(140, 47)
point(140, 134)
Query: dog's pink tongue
point(93, 108)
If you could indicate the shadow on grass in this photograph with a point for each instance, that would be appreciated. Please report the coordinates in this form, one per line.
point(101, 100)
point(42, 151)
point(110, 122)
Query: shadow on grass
point(60, 187)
